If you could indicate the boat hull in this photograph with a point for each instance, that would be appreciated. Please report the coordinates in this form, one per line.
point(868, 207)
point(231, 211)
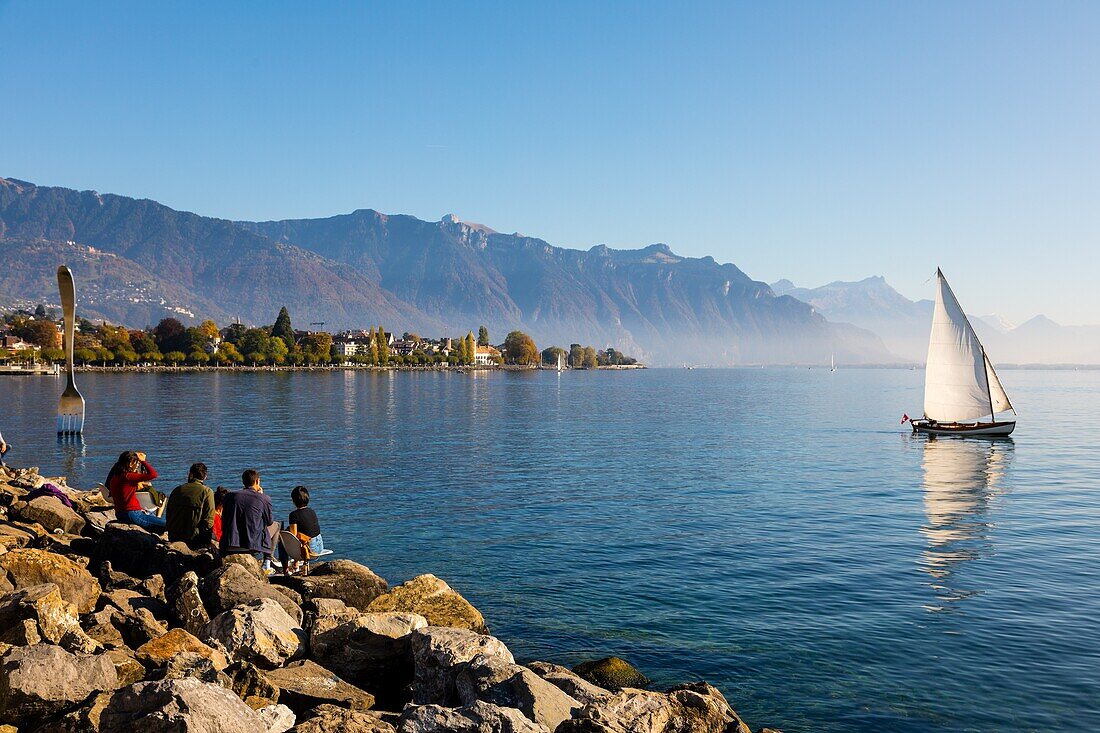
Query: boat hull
point(1002, 428)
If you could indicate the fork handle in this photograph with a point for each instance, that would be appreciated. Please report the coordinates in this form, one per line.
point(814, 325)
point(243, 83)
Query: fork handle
point(67, 289)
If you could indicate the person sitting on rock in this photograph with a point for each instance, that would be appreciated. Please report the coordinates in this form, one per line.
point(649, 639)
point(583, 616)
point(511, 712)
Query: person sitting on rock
point(219, 499)
point(304, 525)
point(190, 512)
point(122, 481)
point(3, 449)
point(246, 518)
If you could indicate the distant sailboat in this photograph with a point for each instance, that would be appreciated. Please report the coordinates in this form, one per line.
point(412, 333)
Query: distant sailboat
point(832, 363)
point(561, 367)
point(960, 384)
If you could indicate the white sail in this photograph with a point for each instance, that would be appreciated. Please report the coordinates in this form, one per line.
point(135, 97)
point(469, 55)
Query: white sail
point(958, 380)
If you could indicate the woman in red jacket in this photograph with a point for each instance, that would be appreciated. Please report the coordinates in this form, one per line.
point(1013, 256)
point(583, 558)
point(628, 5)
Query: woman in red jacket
point(122, 481)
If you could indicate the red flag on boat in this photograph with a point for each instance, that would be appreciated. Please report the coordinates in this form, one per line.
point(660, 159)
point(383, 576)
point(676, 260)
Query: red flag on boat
point(904, 418)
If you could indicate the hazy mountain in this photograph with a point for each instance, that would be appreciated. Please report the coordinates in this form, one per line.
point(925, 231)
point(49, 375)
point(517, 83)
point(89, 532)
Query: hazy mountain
point(137, 260)
point(904, 324)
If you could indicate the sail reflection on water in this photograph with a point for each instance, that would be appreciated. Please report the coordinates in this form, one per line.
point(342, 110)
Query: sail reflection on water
point(961, 476)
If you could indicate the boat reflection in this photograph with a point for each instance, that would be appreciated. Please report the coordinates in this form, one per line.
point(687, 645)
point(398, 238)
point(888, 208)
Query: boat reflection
point(960, 478)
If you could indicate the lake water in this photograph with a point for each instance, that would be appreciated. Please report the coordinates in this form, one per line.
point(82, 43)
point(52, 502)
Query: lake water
point(775, 531)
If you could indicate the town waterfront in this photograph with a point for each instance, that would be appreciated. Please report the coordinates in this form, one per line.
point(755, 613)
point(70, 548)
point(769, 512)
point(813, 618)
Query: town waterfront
point(774, 531)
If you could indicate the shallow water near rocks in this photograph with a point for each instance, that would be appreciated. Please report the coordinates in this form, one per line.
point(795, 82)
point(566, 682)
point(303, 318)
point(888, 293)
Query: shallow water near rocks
point(773, 531)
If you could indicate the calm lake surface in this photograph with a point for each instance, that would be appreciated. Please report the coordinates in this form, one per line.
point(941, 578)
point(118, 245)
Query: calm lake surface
point(774, 531)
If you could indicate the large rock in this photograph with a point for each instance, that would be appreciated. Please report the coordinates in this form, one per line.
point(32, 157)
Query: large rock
point(232, 584)
point(481, 717)
point(136, 625)
point(141, 554)
point(51, 513)
point(438, 652)
point(128, 669)
point(277, 718)
point(304, 685)
point(612, 673)
point(85, 719)
point(354, 584)
point(44, 680)
point(433, 599)
point(185, 603)
point(25, 568)
point(325, 614)
point(695, 708)
point(158, 652)
point(569, 682)
point(179, 706)
point(493, 680)
point(333, 719)
point(12, 536)
point(54, 618)
point(259, 631)
point(372, 650)
point(251, 684)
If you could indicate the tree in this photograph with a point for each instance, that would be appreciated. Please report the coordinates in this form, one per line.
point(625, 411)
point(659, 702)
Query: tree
point(372, 348)
point(228, 352)
point(115, 338)
point(383, 347)
point(276, 350)
point(317, 346)
point(519, 348)
point(170, 335)
point(40, 311)
point(153, 356)
point(589, 359)
point(126, 356)
point(50, 353)
point(483, 336)
point(282, 328)
point(39, 333)
point(84, 355)
point(576, 356)
point(234, 332)
point(209, 329)
point(254, 341)
point(550, 355)
point(175, 357)
point(142, 342)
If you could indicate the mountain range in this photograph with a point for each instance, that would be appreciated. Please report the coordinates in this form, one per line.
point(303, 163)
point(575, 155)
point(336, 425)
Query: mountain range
point(137, 261)
point(903, 324)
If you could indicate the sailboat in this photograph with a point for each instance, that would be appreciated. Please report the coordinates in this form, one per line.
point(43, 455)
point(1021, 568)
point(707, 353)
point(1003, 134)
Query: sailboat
point(960, 384)
point(561, 367)
point(832, 363)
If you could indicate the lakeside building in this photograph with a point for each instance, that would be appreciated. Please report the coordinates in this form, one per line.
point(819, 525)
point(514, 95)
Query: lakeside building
point(486, 355)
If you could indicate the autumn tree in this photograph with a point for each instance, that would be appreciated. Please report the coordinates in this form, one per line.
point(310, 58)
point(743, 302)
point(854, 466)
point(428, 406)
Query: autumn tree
point(170, 335)
point(383, 347)
point(209, 329)
point(519, 348)
point(550, 355)
point(589, 358)
point(471, 348)
point(39, 333)
point(576, 356)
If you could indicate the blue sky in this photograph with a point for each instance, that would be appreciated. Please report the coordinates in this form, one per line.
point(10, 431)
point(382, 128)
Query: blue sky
point(815, 141)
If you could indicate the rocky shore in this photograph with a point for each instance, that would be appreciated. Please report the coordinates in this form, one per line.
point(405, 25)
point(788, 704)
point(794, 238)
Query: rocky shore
point(106, 628)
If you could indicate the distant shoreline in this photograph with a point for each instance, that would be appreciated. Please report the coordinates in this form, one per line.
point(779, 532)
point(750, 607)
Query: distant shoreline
point(187, 368)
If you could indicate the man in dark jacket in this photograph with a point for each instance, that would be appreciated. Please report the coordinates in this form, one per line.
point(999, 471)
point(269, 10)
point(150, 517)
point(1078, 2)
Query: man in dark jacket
point(246, 518)
point(190, 511)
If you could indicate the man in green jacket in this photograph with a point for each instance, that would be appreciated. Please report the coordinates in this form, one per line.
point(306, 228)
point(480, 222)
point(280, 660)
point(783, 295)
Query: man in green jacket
point(190, 512)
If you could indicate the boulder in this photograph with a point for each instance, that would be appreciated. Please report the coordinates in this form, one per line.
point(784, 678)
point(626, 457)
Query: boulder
point(372, 650)
point(333, 719)
point(54, 619)
point(44, 680)
point(481, 717)
point(304, 685)
point(141, 554)
point(179, 706)
point(437, 653)
point(695, 708)
point(128, 669)
point(259, 631)
point(246, 561)
point(185, 604)
point(493, 680)
point(354, 584)
point(569, 682)
point(251, 684)
point(27, 567)
point(96, 520)
point(137, 626)
point(158, 652)
point(232, 584)
point(325, 614)
point(611, 673)
point(193, 665)
point(75, 547)
point(51, 513)
point(12, 536)
point(84, 719)
point(433, 599)
point(277, 718)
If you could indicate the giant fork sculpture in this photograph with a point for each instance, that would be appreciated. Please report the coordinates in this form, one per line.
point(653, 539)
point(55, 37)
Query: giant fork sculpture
point(70, 409)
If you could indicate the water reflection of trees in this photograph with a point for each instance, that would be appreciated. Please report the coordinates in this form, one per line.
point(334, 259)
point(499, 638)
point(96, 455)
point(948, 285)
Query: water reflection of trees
point(960, 478)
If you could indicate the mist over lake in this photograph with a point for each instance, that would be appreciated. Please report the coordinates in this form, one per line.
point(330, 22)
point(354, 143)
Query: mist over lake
point(773, 531)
